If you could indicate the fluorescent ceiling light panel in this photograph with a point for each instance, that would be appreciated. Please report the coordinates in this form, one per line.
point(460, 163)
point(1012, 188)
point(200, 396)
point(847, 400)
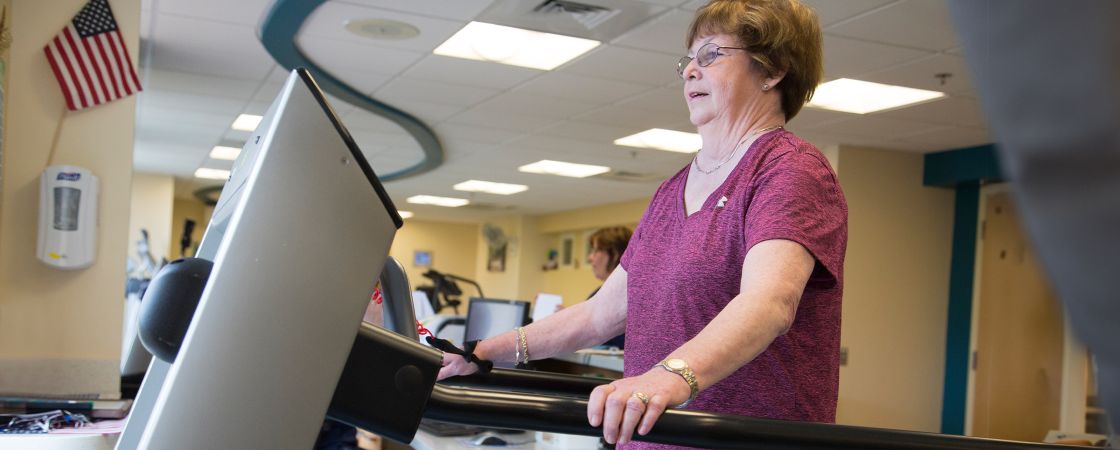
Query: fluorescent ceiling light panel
point(661, 139)
point(224, 153)
point(246, 122)
point(564, 169)
point(211, 174)
point(405, 214)
point(437, 201)
point(862, 97)
point(490, 187)
point(514, 46)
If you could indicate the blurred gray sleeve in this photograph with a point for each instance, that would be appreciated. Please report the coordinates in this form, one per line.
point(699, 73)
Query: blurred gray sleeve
point(1048, 74)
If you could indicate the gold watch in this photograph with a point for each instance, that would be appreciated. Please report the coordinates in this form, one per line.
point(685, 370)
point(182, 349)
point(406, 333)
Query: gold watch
point(679, 367)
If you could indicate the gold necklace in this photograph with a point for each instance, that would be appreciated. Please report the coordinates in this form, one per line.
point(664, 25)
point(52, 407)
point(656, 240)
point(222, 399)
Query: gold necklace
point(733, 152)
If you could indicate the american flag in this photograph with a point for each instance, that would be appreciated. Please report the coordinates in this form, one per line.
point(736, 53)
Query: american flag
point(89, 59)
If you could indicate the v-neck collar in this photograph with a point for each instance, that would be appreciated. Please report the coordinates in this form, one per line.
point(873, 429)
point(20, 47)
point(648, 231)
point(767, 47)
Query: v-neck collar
point(681, 201)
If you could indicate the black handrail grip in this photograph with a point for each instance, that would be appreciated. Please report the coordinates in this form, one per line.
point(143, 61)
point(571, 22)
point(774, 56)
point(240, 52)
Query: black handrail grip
point(692, 428)
point(515, 379)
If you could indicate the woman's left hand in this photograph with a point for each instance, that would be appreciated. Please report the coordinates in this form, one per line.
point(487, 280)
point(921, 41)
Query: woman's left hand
point(635, 403)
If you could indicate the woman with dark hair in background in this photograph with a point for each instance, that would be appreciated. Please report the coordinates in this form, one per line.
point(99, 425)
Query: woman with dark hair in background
point(607, 245)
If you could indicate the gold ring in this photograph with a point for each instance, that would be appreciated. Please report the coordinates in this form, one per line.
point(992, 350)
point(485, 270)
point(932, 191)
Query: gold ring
point(643, 397)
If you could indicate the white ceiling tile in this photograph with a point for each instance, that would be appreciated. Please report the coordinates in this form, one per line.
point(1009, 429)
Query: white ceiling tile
point(529, 104)
point(406, 90)
point(429, 113)
point(152, 98)
point(832, 11)
point(948, 111)
point(875, 127)
point(209, 47)
point(329, 20)
point(449, 132)
point(577, 129)
point(625, 116)
point(364, 82)
point(336, 54)
point(921, 24)
point(694, 5)
point(498, 119)
point(626, 65)
point(468, 72)
point(811, 117)
point(922, 73)
point(242, 12)
point(580, 88)
point(665, 34)
point(228, 88)
point(448, 9)
point(847, 58)
point(668, 99)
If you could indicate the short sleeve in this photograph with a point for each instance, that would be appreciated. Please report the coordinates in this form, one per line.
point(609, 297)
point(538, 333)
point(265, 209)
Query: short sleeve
point(796, 197)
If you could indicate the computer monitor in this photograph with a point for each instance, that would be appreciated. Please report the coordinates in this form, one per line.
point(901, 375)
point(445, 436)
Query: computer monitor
point(488, 317)
point(297, 240)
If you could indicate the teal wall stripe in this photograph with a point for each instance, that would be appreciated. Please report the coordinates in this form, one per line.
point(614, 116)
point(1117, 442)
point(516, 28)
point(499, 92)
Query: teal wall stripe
point(964, 169)
point(957, 336)
point(952, 167)
point(278, 33)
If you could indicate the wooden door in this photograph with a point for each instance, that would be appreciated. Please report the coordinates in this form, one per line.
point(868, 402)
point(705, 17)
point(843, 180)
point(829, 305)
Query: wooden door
point(1018, 363)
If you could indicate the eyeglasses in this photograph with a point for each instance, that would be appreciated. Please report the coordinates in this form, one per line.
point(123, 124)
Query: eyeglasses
point(705, 56)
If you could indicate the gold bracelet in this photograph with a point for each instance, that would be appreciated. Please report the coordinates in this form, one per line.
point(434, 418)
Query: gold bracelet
point(523, 346)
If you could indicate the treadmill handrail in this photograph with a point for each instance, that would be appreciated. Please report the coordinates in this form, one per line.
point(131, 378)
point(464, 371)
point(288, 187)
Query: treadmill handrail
point(691, 428)
point(516, 379)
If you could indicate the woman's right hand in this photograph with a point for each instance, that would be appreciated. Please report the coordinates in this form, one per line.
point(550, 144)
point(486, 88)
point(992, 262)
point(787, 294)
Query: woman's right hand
point(455, 365)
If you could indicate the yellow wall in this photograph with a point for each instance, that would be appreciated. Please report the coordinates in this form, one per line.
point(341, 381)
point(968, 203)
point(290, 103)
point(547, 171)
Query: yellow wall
point(453, 247)
point(575, 282)
point(187, 208)
point(55, 324)
point(895, 291)
point(152, 197)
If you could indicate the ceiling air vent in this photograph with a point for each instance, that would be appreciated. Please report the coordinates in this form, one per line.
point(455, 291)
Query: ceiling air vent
point(633, 177)
point(590, 16)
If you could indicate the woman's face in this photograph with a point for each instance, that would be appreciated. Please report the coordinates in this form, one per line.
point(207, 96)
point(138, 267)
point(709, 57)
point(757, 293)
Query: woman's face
point(598, 260)
point(724, 86)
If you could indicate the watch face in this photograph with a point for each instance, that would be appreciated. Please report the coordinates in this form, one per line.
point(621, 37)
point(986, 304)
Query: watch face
point(676, 364)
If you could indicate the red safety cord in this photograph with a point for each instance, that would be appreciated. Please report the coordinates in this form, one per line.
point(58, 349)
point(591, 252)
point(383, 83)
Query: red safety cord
point(377, 298)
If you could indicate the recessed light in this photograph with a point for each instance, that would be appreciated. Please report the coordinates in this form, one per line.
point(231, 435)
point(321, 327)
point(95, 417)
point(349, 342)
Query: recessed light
point(246, 122)
point(211, 174)
point(449, 202)
point(224, 153)
point(862, 97)
point(514, 46)
point(405, 214)
point(564, 169)
point(490, 187)
point(661, 139)
point(382, 29)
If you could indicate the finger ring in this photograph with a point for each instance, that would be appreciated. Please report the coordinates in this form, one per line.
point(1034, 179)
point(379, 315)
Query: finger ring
point(643, 397)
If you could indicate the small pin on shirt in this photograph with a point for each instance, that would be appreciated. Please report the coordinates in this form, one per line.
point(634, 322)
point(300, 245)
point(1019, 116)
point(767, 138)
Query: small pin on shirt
point(722, 201)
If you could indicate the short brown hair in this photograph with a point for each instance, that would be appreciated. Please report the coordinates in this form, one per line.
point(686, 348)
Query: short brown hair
point(780, 34)
point(612, 240)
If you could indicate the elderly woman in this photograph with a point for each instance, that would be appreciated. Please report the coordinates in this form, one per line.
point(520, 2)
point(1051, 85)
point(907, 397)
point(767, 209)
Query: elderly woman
point(729, 292)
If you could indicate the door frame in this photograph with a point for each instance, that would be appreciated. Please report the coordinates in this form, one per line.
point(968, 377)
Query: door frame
point(1074, 354)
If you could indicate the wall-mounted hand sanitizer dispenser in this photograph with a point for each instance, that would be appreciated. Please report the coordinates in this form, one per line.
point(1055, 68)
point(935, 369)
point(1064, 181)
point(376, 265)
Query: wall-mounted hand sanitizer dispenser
point(67, 217)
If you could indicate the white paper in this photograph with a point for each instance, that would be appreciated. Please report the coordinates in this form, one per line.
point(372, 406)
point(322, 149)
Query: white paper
point(546, 304)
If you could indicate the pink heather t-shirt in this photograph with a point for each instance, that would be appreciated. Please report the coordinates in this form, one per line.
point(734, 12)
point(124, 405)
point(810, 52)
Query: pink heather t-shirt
point(682, 271)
